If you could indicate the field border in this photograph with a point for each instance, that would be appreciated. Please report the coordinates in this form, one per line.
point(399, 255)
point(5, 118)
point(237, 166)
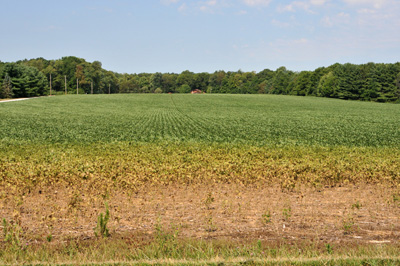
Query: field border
point(323, 260)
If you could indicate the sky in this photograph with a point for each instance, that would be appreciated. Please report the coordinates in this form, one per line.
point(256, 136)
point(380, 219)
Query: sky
point(132, 36)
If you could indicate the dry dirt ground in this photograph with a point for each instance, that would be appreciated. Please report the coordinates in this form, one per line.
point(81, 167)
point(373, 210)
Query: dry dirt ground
point(12, 100)
point(360, 214)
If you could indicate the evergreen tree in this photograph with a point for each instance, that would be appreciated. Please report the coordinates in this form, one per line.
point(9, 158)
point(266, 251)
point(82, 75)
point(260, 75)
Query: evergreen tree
point(26, 81)
point(398, 86)
point(348, 82)
point(6, 88)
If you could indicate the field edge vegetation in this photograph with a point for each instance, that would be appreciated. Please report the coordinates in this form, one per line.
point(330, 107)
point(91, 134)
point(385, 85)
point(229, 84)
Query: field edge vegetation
point(165, 249)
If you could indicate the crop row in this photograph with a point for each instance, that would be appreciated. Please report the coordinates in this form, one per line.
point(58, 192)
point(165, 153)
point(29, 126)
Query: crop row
point(255, 120)
point(131, 166)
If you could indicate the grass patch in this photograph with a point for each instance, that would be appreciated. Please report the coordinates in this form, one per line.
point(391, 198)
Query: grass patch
point(125, 250)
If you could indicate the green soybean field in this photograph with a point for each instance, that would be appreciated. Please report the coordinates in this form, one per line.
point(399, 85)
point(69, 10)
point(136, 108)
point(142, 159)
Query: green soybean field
point(241, 119)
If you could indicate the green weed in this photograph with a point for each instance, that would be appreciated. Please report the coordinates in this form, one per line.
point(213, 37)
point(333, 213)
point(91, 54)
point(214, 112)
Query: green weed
point(101, 229)
point(12, 233)
point(348, 225)
point(287, 213)
point(166, 241)
point(356, 205)
point(266, 217)
point(329, 248)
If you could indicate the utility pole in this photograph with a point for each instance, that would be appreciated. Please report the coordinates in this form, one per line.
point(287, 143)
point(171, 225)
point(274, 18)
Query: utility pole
point(91, 87)
point(50, 83)
point(77, 86)
point(109, 88)
point(65, 77)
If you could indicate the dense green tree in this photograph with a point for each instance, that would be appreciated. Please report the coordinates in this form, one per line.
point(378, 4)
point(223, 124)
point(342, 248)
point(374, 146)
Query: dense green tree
point(398, 86)
point(200, 81)
point(371, 82)
point(80, 76)
point(96, 74)
point(263, 87)
point(128, 84)
point(40, 63)
point(327, 85)
point(264, 81)
point(281, 81)
point(349, 86)
point(226, 83)
point(156, 81)
point(169, 82)
point(186, 77)
point(316, 76)
point(26, 81)
point(388, 92)
point(109, 83)
point(235, 83)
point(301, 84)
point(215, 81)
point(144, 83)
point(249, 83)
point(6, 88)
point(184, 89)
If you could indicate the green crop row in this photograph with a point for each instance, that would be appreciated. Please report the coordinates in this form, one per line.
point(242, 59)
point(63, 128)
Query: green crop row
point(241, 119)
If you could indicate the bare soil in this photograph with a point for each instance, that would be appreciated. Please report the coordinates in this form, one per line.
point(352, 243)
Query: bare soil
point(352, 214)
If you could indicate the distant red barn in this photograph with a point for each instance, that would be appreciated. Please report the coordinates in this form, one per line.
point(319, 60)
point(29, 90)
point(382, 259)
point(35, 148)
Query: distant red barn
point(197, 91)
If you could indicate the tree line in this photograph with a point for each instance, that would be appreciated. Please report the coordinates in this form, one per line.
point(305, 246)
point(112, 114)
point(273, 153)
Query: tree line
point(368, 82)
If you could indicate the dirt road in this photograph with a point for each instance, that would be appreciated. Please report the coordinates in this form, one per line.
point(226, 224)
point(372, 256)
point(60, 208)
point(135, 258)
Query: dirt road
point(14, 100)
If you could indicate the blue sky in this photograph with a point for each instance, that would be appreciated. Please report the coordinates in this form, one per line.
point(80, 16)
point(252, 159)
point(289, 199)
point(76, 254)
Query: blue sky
point(130, 36)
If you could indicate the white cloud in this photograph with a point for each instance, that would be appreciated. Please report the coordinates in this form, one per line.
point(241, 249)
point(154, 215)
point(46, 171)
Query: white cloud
point(366, 11)
point(280, 24)
point(287, 8)
point(334, 20)
point(168, 2)
point(257, 2)
point(207, 6)
point(182, 7)
point(302, 5)
point(374, 3)
point(318, 2)
point(101, 9)
point(285, 43)
point(377, 15)
point(327, 21)
point(296, 5)
point(343, 15)
point(300, 41)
